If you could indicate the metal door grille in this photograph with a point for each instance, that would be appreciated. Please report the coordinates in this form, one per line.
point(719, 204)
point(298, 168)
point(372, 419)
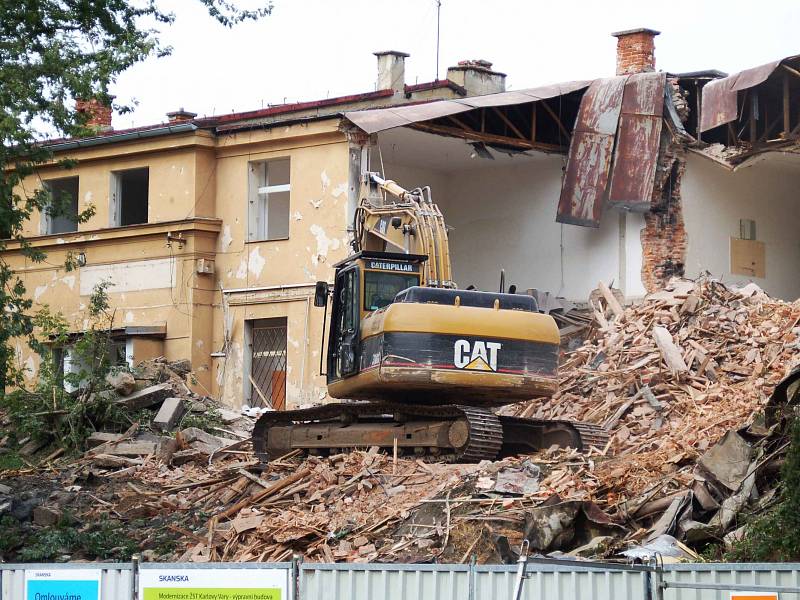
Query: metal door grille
point(268, 363)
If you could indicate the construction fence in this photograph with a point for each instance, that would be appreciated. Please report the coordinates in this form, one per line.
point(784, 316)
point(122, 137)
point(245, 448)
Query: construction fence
point(553, 580)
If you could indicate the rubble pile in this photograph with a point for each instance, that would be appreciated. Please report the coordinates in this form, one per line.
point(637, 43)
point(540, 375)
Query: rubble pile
point(679, 381)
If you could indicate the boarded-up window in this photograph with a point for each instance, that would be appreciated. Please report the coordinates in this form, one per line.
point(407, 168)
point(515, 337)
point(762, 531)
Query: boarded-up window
point(268, 210)
point(61, 216)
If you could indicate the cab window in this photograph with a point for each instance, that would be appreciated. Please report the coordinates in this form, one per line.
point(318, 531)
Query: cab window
point(380, 287)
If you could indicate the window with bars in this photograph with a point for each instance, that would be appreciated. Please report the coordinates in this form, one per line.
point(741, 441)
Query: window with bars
point(268, 362)
point(268, 216)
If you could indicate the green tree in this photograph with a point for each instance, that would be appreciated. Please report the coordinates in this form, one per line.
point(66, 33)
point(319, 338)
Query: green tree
point(51, 53)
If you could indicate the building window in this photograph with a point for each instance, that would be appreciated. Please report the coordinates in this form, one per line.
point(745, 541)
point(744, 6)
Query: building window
point(267, 338)
point(268, 211)
point(62, 214)
point(129, 196)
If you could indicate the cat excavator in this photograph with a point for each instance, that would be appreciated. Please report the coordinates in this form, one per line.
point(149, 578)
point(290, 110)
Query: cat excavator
point(418, 363)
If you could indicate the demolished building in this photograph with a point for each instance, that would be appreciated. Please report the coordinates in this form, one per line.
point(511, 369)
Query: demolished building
point(214, 230)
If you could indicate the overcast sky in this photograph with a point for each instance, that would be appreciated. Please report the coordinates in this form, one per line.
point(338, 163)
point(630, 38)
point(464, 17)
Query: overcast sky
point(312, 49)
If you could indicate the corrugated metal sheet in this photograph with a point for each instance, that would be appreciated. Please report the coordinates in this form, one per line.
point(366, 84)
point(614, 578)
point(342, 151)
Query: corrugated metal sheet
point(590, 153)
point(561, 583)
point(638, 135)
point(384, 582)
point(719, 104)
point(754, 575)
point(116, 581)
point(381, 119)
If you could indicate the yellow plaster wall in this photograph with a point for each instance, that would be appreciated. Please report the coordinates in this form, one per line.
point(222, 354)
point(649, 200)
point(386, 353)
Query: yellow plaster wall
point(318, 238)
point(190, 177)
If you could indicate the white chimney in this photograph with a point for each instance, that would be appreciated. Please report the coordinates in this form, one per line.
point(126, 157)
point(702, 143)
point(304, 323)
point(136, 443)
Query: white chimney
point(477, 77)
point(392, 70)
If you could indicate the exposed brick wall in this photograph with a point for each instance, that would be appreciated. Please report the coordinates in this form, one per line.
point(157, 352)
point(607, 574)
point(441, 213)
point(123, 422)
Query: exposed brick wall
point(636, 51)
point(664, 235)
point(99, 115)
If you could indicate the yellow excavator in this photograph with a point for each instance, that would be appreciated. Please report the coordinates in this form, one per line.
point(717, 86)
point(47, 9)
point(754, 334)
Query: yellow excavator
point(420, 362)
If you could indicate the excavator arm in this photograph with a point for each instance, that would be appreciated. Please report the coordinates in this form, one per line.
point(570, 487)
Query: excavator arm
point(390, 218)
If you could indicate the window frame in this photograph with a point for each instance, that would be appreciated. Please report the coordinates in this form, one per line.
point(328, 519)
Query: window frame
point(46, 219)
point(115, 197)
point(258, 199)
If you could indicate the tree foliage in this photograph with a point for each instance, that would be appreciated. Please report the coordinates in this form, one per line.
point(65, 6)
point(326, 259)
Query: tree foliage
point(51, 53)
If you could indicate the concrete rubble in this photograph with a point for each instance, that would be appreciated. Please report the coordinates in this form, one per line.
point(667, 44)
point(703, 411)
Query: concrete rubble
point(680, 382)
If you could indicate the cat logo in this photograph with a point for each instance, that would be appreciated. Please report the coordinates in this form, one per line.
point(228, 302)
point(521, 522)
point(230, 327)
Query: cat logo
point(476, 356)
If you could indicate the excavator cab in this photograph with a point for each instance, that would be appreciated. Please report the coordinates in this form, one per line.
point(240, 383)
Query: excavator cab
point(364, 283)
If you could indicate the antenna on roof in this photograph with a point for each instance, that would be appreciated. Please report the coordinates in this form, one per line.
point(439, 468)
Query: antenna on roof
point(438, 16)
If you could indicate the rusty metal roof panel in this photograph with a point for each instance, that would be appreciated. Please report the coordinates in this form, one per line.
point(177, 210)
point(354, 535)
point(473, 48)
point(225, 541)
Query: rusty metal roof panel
point(589, 160)
point(586, 178)
point(601, 105)
point(638, 136)
point(381, 119)
point(644, 94)
point(635, 161)
point(719, 104)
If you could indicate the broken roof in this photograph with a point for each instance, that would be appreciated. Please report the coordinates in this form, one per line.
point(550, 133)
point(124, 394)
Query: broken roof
point(720, 96)
point(381, 119)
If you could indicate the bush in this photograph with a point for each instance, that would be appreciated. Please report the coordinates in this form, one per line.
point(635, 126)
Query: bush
point(49, 410)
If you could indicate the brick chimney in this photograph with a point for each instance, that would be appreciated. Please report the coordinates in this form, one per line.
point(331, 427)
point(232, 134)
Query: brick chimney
point(180, 115)
point(636, 51)
point(98, 114)
point(477, 77)
point(392, 70)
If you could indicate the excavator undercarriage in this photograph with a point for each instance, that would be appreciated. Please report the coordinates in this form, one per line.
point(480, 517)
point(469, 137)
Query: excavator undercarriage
point(456, 432)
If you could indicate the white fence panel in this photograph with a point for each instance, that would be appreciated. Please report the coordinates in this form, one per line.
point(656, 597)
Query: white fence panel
point(116, 580)
point(384, 582)
point(751, 575)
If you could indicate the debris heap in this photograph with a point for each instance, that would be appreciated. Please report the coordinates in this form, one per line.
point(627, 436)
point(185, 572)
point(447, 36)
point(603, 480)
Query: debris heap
point(679, 381)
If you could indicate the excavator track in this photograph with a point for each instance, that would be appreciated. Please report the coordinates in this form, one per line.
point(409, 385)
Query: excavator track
point(456, 432)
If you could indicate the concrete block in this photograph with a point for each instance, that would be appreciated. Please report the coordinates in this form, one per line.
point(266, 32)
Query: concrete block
point(169, 414)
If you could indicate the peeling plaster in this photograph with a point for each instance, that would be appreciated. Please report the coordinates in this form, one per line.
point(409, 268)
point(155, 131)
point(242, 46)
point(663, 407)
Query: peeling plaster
point(256, 262)
point(61, 241)
point(241, 273)
point(37, 293)
point(315, 202)
point(324, 244)
point(227, 238)
point(297, 216)
point(88, 197)
point(30, 368)
point(129, 316)
point(69, 280)
point(326, 181)
point(339, 190)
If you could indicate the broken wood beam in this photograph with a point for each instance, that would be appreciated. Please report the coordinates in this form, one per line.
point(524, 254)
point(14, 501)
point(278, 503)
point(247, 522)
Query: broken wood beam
point(488, 138)
point(556, 118)
point(508, 123)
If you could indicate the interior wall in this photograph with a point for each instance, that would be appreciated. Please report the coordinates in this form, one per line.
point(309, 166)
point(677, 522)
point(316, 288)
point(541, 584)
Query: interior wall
point(715, 199)
point(503, 216)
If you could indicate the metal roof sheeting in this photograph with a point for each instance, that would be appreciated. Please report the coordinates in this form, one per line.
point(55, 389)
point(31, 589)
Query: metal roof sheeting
point(381, 119)
point(719, 104)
